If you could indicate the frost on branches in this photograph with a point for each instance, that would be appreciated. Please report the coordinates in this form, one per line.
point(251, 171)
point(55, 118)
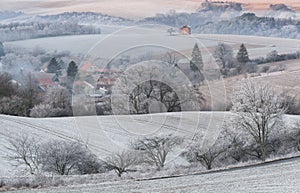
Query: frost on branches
point(259, 109)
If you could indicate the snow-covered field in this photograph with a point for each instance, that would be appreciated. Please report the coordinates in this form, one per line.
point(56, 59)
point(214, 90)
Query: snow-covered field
point(106, 134)
point(107, 46)
point(279, 177)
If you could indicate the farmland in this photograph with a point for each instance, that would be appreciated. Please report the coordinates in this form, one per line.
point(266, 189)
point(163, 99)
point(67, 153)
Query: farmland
point(130, 37)
point(275, 177)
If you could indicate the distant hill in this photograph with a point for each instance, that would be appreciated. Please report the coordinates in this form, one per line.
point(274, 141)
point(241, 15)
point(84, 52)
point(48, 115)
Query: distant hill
point(9, 14)
point(221, 6)
point(250, 24)
point(86, 18)
point(280, 7)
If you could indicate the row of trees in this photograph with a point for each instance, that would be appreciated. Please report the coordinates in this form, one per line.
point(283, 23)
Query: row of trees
point(58, 156)
point(20, 31)
point(230, 65)
point(254, 131)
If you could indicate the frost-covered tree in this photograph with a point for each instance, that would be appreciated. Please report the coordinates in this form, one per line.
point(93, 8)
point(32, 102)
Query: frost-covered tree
point(171, 31)
point(156, 149)
point(45, 110)
point(258, 111)
point(58, 97)
point(205, 154)
point(24, 151)
point(242, 55)
point(7, 88)
point(223, 55)
point(121, 162)
point(57, 102)
point(29, 94)
point(196, 62)
point(273, 56)
point(61, 157)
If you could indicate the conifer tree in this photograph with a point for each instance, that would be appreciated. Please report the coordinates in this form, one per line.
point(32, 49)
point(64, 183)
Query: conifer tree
point(196, 63)
point(242, 55)
point(72, 70)
point(53, 66)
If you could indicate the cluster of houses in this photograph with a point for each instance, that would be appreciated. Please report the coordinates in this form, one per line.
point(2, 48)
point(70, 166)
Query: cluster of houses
point(92, 80)
point(96, 82)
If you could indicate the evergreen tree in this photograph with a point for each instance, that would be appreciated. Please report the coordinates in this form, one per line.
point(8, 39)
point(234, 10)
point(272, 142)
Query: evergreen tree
point(242, 55)
point(72, 70)
point(196, 63)
point(2, 53)
point(53, 66)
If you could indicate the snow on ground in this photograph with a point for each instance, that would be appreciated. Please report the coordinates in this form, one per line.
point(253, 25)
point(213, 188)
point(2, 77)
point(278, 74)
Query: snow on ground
point(106, 134)
point(109, 45)
point(276, 177)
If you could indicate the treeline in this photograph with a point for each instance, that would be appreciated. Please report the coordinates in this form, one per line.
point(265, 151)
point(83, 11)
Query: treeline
point(250, 24)
point(21, 31)
point(231, 65)
point(226, 22)
point(9, 14)
point(273, 56)
point(221, 6)
point(86, 18)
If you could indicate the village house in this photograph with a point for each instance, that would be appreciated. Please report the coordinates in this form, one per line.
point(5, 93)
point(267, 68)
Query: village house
point(45, 80)
point(185, 30)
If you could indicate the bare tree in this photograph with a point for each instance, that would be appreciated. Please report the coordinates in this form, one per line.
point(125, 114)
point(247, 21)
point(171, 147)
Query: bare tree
point(57, 102)
point(29, 94)
point(224, 57)
point(8, 88)
point(171, 31)
point(258, 110)
point(204, 154)
point(58, 97)
point(24, 151)
point(171, 58)
point(156, 149)
point(294, 138)
point(61, 157)
point(89, 163)
point(120, 162)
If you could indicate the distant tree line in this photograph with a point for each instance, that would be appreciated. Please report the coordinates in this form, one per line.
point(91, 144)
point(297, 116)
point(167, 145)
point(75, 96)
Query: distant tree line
point(21, 31)
point(250, 24)
point(242, 63)
point(274, 56)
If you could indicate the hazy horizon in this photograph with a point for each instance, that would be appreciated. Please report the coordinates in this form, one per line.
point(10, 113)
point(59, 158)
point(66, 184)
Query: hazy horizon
point(130, 8)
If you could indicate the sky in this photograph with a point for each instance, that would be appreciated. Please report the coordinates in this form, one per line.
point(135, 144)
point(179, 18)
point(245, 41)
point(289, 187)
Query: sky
point(126, 8)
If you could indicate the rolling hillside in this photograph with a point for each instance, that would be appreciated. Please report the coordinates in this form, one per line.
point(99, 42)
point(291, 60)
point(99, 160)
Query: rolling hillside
point(277, 177)
point(106, 134)
point(136, 36)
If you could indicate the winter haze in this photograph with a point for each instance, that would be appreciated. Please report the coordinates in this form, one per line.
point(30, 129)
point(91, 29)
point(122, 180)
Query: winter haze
point(129, 8)
point(148, 96)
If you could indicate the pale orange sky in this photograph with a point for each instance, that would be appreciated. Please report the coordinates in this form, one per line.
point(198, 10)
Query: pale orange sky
point(126, 8)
